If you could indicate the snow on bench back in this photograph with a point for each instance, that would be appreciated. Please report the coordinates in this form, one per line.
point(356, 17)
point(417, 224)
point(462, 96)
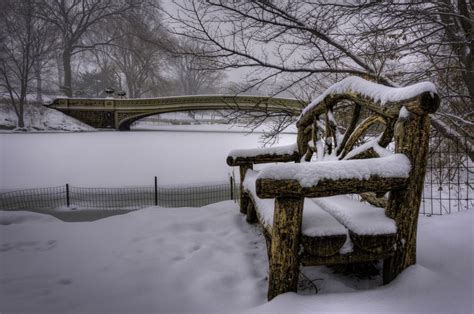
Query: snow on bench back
point(377, 92)
point(309, 174)
point(277, 150)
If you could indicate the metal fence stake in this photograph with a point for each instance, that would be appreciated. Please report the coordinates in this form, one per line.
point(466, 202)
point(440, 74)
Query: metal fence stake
point(156, 191)
point(67, 195)
point(231, 188)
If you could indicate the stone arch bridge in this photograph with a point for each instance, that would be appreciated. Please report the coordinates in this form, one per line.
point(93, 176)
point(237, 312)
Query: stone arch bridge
point(121, 113)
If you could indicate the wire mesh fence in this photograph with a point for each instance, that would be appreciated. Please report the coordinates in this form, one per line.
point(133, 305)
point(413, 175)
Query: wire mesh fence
point(65, 198)
point(107, 198)
point(449, 180)
point(34, 199)
point(449, 187)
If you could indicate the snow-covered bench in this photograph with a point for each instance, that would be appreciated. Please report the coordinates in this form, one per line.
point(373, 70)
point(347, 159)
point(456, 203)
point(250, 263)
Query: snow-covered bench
point(342, 149)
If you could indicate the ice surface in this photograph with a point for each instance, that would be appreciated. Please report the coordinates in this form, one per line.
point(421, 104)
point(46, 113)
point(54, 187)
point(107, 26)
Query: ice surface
point(309, 174)
point(104, 159)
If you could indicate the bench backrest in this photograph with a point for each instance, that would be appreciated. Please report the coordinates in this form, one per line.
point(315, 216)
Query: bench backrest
point(333, 126)
point(356, 119)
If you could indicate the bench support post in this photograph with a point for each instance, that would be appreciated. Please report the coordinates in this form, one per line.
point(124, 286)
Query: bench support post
point(244, 198)
point(411, 137)
point(251, 213)
point(285, 244)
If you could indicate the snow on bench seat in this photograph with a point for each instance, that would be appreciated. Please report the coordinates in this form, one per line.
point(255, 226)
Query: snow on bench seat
point(316, 222)
point(368, 225)
point(361, 218)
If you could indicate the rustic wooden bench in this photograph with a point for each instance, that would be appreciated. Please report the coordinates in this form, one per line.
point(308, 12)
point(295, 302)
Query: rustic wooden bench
point(358, 138)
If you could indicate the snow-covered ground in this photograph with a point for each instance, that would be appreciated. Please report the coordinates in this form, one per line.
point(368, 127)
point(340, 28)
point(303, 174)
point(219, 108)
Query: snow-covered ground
point(40, 118)
point(203, 260)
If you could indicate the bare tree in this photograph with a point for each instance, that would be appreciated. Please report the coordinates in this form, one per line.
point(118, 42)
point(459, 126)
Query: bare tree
point(135, 54)
point(193, 73)
point(429, 40)
point(135, 50)
point(296, 42)
point(24, 42)
point(93, 81)
point(74, 20)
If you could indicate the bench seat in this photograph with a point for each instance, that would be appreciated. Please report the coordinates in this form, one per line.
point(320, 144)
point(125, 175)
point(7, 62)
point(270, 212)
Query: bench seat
point(332, 225)
point(369, 228)
point(322, 234)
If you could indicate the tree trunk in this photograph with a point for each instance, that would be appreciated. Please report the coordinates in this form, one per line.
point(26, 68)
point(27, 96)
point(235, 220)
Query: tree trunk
point(21, 120)
point(67, 85)
point(60, 70)
point(20, 109)
point(130, 87)
point(39, 82)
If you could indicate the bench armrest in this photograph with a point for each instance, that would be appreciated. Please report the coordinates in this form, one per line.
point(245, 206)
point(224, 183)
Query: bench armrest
point(334, 177)
point(239, 157)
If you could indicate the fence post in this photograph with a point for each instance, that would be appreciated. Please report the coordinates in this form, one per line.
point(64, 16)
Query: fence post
point(231, 188)
point(156, 191)
point(67, 195)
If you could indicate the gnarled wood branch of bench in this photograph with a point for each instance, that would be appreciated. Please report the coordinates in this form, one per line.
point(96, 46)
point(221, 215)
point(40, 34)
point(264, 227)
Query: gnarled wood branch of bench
point(241, 157)
point(271, 188)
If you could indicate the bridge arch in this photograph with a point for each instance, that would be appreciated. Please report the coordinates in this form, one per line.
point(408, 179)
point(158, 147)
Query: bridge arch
point(125, 123)
point(121, 113)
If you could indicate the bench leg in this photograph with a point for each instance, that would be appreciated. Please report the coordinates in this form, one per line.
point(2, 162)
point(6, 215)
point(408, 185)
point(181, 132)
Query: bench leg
point(251, 213)
point(285, 244)
point(397, 263)
point(412, 136)
point(268, 241)
point(390, 272)
point(244, 202)
point(244, 198)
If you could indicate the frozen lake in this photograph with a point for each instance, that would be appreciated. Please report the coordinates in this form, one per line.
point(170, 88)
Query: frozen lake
point(108, 159)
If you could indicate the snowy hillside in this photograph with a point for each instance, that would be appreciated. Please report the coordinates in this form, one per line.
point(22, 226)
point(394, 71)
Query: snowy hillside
point(208, 259)
point(40, 118)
